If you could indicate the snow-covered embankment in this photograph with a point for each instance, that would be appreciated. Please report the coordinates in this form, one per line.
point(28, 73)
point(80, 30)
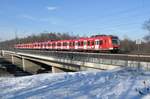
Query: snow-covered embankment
point(116, 84)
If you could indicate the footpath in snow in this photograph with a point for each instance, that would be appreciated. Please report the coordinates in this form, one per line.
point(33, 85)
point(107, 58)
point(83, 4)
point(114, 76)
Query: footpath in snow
point(115, 84)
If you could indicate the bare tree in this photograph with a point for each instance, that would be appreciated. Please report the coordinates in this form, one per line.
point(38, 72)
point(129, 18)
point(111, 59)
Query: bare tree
point(128, 45)
point(146, 26)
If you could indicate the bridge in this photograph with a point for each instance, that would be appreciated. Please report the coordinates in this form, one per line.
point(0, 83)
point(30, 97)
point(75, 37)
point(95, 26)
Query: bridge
point(35, 61)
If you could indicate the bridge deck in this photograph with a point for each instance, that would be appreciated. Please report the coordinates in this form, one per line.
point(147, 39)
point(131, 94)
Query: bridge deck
point(92, 60)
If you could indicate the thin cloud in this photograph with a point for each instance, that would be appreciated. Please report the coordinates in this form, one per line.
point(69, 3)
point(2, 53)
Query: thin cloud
point(28, 17)
point(51, 8)
point(51, 20)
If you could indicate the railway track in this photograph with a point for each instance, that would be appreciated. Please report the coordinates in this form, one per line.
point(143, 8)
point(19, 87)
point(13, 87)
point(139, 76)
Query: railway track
point(78, 52)
point(89, 56)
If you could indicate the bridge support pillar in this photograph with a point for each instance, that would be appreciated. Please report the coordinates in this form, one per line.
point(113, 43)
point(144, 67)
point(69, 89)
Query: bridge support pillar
point(23, 64)
point(12, 59)
point(56, 70)
point(2, 53)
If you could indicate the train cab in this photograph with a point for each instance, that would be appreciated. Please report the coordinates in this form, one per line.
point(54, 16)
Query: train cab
point(115, 44)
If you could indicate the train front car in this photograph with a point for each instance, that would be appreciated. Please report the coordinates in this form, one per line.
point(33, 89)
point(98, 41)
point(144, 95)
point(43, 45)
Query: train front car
point(114, 44)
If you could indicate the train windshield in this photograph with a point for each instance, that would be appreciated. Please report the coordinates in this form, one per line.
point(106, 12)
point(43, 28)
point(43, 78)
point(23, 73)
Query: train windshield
point(115, 41)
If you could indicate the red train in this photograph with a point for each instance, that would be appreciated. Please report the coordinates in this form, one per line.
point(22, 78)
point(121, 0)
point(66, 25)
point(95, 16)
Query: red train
point(97, 43)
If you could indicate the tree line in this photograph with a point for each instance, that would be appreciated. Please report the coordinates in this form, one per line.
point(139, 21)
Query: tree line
point(9, 44)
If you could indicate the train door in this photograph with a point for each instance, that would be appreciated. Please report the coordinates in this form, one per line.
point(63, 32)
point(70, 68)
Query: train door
point(67, 45)
point(97, 44)
point(49, 45)
point(105, 44)
point(53, 45)
point(88, 44)
point(102, 44)
point(46, 45)
point(56, 47)
point(85, 44)
point(76, 44)
point(80, 44)
point(61, 45)
point(43, 45)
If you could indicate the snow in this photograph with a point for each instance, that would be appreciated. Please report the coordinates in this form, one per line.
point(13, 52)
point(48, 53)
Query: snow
point(114, 84)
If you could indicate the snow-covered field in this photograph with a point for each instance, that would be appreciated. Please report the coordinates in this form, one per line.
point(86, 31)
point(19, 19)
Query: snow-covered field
point(114, 84)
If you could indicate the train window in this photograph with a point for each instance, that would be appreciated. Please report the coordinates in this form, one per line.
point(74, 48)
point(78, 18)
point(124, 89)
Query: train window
point(89, 43)
point(81, 43)
point(53, 44)
point(96, 42)
point(92, 42)
point(49, 44)
point(65, 44)
point(76, 43)
point(73, 43)
point(84, 42)
point(115, 41)
point(45, 45)
point(70, 44)
point(59, 44)
point(101, 42)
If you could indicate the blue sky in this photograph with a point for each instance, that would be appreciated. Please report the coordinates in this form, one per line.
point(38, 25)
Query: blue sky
point(123, 18)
